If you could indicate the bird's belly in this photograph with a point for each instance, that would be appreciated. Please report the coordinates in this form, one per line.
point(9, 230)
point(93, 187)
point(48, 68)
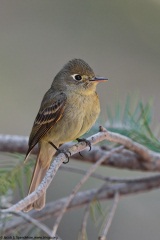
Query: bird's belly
point(77, 119)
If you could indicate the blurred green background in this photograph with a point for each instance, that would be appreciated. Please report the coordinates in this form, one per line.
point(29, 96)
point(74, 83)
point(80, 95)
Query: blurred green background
point(120, 40)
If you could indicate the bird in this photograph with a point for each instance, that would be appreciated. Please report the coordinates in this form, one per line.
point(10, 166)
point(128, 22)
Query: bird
point(68, 110)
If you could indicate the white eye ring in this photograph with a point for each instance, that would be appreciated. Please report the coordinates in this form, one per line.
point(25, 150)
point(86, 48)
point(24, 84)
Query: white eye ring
point(77, 77)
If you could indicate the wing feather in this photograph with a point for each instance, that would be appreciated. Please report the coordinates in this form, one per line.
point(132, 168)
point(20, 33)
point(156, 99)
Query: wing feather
point(49, 113)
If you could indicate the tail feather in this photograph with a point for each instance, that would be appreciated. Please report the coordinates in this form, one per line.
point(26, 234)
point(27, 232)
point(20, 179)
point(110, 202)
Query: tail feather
point(38, 175)
point(42, 164)
point(27, 154)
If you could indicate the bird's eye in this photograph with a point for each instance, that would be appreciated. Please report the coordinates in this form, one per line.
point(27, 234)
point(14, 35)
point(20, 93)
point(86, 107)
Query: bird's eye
point(77, 77)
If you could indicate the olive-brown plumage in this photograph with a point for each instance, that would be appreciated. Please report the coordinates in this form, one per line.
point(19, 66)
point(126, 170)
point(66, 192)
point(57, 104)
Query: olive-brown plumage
point(68, 110)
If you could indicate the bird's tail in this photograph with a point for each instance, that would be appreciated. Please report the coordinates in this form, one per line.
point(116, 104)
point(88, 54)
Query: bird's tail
point(43, 161)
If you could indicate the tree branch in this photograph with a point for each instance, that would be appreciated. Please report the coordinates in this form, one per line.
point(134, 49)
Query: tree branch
point(148, 156)
point(123, 158)
point(9, 143)
point(28, 218)
point(82, 198)
point(74, 192)
point(83, 232)
point(107, 225)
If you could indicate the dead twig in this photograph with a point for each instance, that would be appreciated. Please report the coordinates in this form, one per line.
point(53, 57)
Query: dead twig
point(30, 219)
point(138, 185)
point(146, 154)
point(107, 225)
point(74, 192)
point(83, 231)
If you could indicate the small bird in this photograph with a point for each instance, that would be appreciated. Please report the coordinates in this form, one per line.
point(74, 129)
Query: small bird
point(68, 110)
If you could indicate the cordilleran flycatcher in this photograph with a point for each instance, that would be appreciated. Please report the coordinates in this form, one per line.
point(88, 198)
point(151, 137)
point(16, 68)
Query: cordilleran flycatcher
point(68, 110)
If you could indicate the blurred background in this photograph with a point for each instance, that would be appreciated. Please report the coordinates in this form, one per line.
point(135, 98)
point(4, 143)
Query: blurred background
point(119, 40)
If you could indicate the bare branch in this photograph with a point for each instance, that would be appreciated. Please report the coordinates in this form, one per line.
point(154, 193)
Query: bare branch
point(108, 192)
point(99, 176)
point(74, 192)
point(83, 231)
point(148, 156)
point(48, 178)
point(41, 188)
point(104, 233)
point(81, 171)
point(9, 143)
point(122, 159)
point(30, 219)
point(82, 198)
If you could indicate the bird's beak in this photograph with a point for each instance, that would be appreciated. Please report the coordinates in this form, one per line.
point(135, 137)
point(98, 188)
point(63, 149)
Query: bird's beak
point(99, 79)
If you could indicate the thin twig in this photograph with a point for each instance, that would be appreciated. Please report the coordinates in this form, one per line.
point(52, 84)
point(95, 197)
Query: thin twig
point(28, 218)
point(74, 169)
point(82, 198)
point(143, 151)
point(41, 188)
point(74, 191)
point(107, 225)
point(81, 171)
point(83, 231)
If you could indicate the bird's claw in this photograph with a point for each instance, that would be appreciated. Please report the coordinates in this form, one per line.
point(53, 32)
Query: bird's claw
point(88, 143)
point(65, 152)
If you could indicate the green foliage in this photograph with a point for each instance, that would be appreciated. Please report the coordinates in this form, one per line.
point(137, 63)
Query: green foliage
point(12, 173)
point(99, 213)
point(80, 237)
point(96, 211)
point(134, 123)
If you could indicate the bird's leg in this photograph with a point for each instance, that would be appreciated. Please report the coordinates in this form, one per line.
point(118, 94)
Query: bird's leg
point(87, 143)
point(54, 146)
point(61, 151)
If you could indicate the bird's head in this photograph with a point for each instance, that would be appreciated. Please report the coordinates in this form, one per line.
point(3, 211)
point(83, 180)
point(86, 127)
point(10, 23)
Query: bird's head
point(77, 76)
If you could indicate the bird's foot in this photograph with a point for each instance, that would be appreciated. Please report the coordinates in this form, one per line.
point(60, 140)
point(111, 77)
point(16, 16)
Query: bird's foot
point(88, 143)
point(65, 152)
